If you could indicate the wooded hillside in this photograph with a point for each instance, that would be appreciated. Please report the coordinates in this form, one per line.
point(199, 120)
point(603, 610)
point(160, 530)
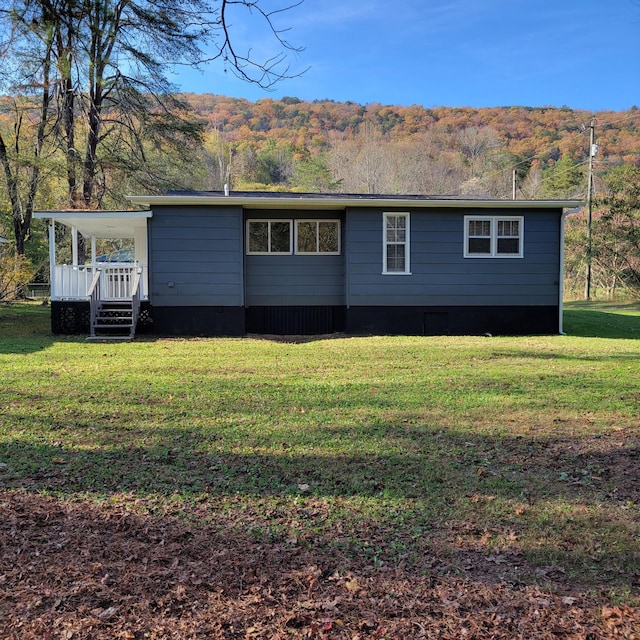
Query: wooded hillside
point(326, 146)
point(323, 145)
point(527, 131)
point(549, 146)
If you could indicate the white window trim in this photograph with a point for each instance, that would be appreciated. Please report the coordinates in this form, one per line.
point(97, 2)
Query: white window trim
point(407, 244)
point(318, 253)
point(270, 253)
point(493, 220)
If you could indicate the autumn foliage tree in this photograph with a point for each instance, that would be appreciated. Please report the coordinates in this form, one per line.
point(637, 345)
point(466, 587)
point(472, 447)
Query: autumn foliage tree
point(15, 272)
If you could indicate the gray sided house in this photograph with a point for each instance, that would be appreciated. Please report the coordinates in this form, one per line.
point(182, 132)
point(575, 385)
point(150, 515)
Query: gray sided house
point(212, 264)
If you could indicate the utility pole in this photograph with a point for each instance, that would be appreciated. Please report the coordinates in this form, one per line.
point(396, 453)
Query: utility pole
point(514, 181)
point(593, 150)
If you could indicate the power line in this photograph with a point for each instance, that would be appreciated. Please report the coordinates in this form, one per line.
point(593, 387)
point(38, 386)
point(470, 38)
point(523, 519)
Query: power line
point(538, 156)
point(624, 119)
point(541, 154)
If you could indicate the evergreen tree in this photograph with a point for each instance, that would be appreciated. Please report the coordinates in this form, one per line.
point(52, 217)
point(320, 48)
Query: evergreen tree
point(564, 180)
point(616, 231)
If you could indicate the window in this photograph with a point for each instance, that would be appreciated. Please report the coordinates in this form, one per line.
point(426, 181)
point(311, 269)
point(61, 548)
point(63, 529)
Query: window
point(508, 237)
point(493, 237)
point(479, 238)
point(396, 243)
point(269, 236)
point(318, 236)
point(275, 237)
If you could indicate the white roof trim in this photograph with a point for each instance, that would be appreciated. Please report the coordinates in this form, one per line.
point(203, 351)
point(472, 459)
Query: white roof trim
point(342, 202)
point(89, 215)
point(100, 224)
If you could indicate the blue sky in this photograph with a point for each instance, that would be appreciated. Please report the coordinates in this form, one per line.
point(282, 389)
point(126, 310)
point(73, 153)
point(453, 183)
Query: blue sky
point(584, 54)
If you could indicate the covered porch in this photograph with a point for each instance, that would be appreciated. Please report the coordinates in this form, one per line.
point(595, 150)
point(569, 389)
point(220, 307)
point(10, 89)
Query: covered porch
point(106, 291)
point(73, 281)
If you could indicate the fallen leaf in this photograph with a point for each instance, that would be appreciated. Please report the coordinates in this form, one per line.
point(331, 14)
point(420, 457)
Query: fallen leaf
point(611, 612)
point(107, 614)
point(330, 606)
point(352, 585)
point(497, 559)
point(368, 623)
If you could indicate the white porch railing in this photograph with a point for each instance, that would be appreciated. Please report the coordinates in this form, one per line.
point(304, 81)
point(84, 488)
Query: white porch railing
point(70, 282)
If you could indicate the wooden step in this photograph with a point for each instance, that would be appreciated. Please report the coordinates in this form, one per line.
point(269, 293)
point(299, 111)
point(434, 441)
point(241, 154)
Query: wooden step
point(127, 338)
point(121, 325)
point(113, 321)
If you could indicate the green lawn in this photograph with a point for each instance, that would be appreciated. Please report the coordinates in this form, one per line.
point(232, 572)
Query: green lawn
point(518, 454)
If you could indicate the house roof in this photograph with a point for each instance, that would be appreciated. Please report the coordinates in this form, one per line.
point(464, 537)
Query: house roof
point(279, 200)
point(100, 224)
point(122, 224)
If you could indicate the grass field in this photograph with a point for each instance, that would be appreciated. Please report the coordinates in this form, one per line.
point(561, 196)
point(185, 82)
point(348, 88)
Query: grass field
point(498, 466)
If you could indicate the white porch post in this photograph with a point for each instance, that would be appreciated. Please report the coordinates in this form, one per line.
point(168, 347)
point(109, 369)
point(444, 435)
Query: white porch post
point(52, 258)
point(140, 238)
point(74, 246)
point(141, 255)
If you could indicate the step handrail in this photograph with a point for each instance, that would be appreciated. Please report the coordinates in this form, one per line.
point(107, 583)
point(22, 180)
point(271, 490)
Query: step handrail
point(135, 300)
point(94, 301)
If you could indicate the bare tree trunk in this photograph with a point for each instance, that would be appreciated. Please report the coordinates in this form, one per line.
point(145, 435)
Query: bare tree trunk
point(68, 117)
point(90, 158)
point(16, 204)
point(23, 213)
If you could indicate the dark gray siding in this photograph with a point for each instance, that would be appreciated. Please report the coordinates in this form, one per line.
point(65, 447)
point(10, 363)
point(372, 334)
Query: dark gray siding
point(440, 275)
point(291, 280)
point(196, 256)
point(200, 250)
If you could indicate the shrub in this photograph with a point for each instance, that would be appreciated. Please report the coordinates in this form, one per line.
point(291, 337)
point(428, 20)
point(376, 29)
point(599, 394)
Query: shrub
point(15, 272)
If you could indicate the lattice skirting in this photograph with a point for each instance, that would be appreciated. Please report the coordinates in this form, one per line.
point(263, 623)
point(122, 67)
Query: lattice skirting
point(72, 317)
point(69, 317)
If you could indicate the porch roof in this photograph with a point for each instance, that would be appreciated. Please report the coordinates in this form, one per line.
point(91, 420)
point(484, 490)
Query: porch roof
point(100, 224)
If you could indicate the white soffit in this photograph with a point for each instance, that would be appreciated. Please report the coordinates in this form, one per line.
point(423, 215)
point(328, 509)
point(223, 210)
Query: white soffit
point(100, 224)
